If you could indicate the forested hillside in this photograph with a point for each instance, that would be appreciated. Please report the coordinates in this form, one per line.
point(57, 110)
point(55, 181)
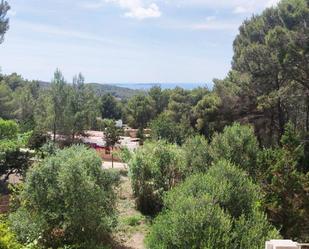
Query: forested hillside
point(101, 89)
point(226, 167)
point(116, 91)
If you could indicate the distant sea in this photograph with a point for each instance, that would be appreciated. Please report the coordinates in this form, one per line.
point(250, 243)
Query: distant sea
point(147, 86)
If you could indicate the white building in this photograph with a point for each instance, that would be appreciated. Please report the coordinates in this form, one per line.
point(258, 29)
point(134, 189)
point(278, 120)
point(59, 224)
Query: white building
point(284, 244)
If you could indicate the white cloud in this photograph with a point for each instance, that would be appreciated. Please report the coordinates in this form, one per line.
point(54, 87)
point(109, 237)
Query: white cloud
point(152, 11)
point(215, 26)
point(240, 10)
point(137, 9)
point(134, 8)
point(213, 23)
point(236, 6)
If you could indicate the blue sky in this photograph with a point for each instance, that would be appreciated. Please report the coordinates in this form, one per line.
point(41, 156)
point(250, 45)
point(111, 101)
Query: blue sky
point(119, 41)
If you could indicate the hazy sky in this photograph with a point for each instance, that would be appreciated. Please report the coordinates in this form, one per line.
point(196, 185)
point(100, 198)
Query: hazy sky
point(124, 40)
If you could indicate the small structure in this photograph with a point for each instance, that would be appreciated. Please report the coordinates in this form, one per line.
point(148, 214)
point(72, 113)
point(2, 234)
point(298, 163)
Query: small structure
point(281, 244)
point(284, 244)
point(95, 140)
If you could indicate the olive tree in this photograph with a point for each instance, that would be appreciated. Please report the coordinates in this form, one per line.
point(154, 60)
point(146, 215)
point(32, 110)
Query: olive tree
point(67, 199)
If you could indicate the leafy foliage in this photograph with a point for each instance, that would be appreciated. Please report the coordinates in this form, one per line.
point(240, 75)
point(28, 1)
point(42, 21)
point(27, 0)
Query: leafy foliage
point(286, 187)
point(193, 223)
point(7, 237)
point(139, 111)
point(197, 153)
point(67, 199)
point(109, 107)
point(154, 169)
point(218, 209)
point(12, 158)
point(164, 128)
point(237, 144)
point(64, 109)
point(111, 132)
point(4, 21)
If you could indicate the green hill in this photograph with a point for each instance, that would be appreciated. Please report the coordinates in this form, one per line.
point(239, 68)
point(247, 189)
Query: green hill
point(100, 89)
point(118, 92)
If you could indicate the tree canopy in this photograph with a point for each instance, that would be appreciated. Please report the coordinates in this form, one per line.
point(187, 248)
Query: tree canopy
point(4, 21)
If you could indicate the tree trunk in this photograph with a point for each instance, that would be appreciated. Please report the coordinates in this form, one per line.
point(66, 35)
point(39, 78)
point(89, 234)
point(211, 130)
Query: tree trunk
point(54, 131)
point(271, 130)
point(112, 158)
point(307, 112)
point(280, 120)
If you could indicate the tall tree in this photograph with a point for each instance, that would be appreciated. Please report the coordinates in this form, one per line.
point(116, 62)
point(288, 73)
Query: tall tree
point(76, 106)
point(6, 101)
point(4, 21)
point(59, 98)
point(25, 101)
point(206, 114)
point(272, 50)
point(109, 107)
point(111, 135)
point(140, 111)
point(160, 99)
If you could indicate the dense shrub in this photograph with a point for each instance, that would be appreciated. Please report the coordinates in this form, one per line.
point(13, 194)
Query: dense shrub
point(37, 140)
point(229, 186)
point(154, 169)
point(8, 129)
point(196, 151)
point(286, 187)
point(193, 223)
point(12, 158)
point(219, 209)
point(7, 237)
point(237, 144)
point(67, 199)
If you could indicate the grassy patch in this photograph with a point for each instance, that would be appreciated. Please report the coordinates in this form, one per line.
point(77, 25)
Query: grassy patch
point(134, 220)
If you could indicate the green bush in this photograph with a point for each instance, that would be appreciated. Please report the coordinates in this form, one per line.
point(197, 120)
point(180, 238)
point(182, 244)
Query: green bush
point(12, 158)
point(7, 237)
point(8, 129)
point(67, 199)
point(193, 223)
point(154, 169)
point(196, 151)
point(219, 209)
point(232, 189)
point(237, 144)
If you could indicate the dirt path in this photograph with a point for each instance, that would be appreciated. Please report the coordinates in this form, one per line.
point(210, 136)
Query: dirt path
point(132, 226)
